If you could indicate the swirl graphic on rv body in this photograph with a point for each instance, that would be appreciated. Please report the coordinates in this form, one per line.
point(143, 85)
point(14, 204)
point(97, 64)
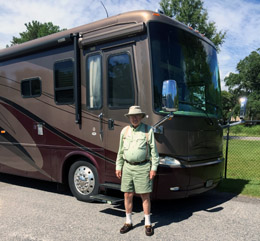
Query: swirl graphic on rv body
point(17, 140)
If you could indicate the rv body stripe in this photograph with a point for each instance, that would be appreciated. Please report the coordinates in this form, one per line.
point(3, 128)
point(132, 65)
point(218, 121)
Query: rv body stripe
point(53, 130)
point(10, 139)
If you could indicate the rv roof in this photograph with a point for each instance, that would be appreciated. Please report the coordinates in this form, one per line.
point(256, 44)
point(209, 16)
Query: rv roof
point(64, 37)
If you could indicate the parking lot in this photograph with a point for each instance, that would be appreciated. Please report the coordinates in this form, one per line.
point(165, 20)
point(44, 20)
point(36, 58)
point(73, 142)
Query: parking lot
point(35, 210)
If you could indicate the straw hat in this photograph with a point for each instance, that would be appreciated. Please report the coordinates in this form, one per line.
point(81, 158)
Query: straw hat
point(135, 110)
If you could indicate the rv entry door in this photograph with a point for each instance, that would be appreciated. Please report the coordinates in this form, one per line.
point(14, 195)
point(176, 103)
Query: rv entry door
point(119, 82)
point(92, 104)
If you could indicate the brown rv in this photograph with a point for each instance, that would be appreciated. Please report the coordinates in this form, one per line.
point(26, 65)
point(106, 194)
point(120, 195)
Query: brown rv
point(63, 98)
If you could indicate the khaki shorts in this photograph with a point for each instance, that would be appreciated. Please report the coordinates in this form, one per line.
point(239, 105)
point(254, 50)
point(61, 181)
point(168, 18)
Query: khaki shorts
point(136, 178)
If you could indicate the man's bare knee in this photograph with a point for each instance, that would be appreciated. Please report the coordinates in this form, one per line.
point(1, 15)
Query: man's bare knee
point(145, 196)
point(129, 195)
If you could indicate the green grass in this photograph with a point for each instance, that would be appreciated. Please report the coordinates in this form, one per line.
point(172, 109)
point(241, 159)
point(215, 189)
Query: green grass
point(241, 130)
point(243, 168)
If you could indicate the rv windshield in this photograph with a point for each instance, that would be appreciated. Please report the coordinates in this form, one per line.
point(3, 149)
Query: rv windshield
point(192, 63)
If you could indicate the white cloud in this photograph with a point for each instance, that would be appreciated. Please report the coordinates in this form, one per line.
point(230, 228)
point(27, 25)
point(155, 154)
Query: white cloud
point(240, 18)
point(64, 13)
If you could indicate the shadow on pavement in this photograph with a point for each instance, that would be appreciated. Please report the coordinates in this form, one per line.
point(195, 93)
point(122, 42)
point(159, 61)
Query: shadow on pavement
point(174, 211)
point(36, 184)
point(163, 212)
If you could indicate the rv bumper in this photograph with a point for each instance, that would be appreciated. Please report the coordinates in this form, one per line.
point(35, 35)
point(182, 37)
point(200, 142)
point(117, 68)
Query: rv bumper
point(180, 181)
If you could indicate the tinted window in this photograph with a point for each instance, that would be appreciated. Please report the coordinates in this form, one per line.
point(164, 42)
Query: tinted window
point(120, 81)
point(94, 82)
point(31, 88)
point(181, 56)
point(64, 82)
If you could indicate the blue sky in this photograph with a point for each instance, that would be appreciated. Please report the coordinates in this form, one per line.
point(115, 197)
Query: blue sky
point(240, 18)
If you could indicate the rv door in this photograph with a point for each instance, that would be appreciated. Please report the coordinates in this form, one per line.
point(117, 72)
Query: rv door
point(120, 94)
point(92, 101)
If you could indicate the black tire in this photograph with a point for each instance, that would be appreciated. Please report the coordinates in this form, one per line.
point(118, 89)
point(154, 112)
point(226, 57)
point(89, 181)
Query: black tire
point(83, 180)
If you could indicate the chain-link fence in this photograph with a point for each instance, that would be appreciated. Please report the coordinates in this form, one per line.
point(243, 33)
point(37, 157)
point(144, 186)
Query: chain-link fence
point(243, 157)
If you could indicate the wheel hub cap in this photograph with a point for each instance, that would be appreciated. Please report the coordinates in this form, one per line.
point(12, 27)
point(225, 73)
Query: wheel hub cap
point(84, 180)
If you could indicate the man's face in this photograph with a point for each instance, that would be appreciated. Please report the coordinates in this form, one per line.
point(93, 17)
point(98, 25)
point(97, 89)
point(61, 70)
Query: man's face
point(135, 120)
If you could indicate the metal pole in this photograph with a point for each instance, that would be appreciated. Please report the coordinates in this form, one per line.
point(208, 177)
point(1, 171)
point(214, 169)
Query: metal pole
point(227, 151)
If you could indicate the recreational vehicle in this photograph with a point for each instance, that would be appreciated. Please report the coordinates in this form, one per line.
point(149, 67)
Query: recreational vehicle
point(63, 98)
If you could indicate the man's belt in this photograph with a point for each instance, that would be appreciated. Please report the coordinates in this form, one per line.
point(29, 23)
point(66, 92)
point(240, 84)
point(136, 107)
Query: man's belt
point(137, 163)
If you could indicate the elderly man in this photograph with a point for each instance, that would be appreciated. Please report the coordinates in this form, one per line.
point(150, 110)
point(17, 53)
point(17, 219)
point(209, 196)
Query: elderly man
point(136, 164)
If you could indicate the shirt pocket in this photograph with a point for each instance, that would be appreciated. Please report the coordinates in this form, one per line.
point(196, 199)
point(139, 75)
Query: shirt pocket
point(126, 144)
point(141, 143)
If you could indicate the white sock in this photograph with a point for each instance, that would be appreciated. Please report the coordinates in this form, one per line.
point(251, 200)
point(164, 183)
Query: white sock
point(147, 220)
point(128, 218)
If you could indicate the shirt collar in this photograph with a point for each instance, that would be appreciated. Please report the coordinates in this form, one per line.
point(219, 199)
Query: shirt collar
point(137, 128)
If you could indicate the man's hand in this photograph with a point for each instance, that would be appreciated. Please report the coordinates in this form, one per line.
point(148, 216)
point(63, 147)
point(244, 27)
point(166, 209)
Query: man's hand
point(152, 174)
point(118, 174)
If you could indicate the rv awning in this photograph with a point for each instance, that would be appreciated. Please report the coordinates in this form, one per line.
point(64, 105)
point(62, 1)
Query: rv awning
point(111, 33)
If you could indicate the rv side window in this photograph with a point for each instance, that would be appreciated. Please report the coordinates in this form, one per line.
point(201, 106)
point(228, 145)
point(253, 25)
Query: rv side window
point(64, 82)
point(94, 82)
point(31, 88)
point(120, 81)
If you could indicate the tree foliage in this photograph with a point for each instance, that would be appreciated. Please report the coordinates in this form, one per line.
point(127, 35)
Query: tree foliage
point(247, 82)
point(228, 103)
point(193, 14)
point(35, 30)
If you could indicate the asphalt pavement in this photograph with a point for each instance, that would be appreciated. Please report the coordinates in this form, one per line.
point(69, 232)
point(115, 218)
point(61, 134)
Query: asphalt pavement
point(33, 210)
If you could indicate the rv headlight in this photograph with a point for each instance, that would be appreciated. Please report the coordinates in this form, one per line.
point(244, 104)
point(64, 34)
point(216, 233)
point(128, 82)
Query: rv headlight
point(169, 161)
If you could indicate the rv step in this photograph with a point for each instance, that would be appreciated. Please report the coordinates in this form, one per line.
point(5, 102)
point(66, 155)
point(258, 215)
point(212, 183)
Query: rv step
point(111, 186)
point(106, 199)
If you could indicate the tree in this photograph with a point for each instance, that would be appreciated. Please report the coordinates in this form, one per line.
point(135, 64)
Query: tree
point(247, 82)
point(192, 13)
point(228, 104)
point(36, 30)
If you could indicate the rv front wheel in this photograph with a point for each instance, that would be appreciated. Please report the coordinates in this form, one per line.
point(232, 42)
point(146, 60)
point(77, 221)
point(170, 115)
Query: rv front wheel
point(83, 180)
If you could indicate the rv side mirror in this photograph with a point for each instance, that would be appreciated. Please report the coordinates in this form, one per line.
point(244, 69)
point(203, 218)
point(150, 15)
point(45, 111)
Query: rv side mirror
point(170, 100)
point(243, 102)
